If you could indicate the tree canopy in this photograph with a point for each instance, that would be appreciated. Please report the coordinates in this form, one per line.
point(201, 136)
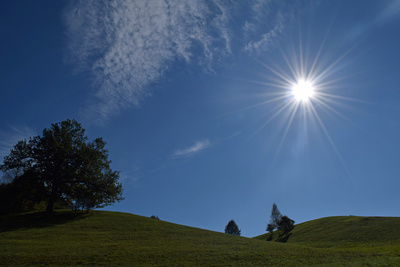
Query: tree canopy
point(286, 225)
point(282, 223)
point(275, 217)
point(65, 167)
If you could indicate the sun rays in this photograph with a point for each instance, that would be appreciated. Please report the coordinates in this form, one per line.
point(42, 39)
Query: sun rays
point(304, 90)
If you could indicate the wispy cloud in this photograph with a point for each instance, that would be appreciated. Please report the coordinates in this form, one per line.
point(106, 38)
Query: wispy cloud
point(264, 27)
point(10, 138)
point(173, 159)
point(193, 149)
point(268, 39)
point(125, 46)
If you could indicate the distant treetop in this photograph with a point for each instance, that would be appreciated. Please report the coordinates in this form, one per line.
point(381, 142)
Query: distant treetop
point(232, 228)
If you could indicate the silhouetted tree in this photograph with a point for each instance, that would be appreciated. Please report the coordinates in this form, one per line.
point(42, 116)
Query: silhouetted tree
point(23, 193)
point(275, 217)
point(232, 228)
point(285, 225)
point(67, 167)
point(270, 229)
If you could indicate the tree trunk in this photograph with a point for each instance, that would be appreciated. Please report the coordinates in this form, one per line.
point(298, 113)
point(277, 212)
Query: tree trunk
point(50, 205)
point(11, 206)
point(52, 198)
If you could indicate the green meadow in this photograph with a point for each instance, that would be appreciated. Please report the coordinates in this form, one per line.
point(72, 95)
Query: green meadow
point(121, 239)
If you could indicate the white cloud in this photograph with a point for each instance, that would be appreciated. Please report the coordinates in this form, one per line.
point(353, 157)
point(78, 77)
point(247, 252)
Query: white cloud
point(191, 150)
point(125, 46)
point(10, 138)
point(269, 38)
point(259, 9)
point(267, 22)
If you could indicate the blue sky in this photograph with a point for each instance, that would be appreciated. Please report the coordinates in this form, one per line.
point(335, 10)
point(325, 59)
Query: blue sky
point(194, 100)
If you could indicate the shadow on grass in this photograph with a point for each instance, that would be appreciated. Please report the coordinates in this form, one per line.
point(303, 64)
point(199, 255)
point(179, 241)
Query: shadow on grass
point(284, 238)
point(38, 219)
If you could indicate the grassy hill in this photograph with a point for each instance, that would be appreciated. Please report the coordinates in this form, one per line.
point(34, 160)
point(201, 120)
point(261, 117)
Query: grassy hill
point(375, 236)
point(345, 230)
point(112, 238)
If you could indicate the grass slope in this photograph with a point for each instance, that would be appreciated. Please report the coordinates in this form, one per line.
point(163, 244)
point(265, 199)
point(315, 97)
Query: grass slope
point(112, 238)
point(375, 236)
point(334, 231)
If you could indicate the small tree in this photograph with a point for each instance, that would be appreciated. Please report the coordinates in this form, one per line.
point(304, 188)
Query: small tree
point(285, 225)
point(270, 229)
point(232, 228)
point(154, 217)
point(274, 219)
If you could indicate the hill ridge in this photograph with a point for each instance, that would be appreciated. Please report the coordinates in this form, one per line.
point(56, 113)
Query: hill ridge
point(333, 230)
point(124, 239)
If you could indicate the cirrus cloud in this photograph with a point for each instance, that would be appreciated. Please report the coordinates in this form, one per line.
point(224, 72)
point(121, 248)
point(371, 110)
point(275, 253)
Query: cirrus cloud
point(193, 149)
point(125, 46)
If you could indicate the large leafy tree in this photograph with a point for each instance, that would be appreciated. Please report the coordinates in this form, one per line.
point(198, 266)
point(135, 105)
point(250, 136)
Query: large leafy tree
point(70, 168)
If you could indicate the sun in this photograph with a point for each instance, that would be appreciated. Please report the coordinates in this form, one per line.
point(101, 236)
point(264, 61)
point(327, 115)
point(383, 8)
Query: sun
point(303, 90)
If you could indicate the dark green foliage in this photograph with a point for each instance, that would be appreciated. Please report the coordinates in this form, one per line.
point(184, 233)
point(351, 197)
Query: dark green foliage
point(232, 228)
point(274, 219)
point(155, 217)
point(275, 215)
point(270, 229)
point(23, 193)
point(64, 167)
point(9, 203)
point(285, 225)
